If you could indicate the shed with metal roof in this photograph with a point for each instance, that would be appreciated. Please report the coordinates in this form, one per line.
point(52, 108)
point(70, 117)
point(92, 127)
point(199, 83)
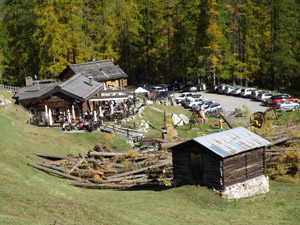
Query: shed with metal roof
point(219, 160)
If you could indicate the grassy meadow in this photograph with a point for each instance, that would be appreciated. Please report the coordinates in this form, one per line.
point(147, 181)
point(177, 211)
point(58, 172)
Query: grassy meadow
point(29, 196)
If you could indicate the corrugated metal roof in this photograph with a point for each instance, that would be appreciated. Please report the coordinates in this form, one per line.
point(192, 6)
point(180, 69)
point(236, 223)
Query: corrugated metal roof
point(231, 142)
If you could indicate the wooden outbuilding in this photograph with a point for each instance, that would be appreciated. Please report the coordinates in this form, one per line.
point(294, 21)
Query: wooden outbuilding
point(103, 71)
point(219, 160)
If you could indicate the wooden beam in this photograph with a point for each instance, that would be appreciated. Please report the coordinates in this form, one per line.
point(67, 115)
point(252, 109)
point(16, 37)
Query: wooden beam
point(139, 170)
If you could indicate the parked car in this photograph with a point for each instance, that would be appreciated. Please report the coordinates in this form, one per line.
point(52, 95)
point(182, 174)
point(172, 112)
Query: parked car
point(156, 89)
point(246, 92)
point(214, 88)
point(228, 89)
point(193, 89)
point(255, 93)
point(264, 97)
point(281, 98)
point(212, 109)
point(183, 96)
point(201, 87)
point(287, 106)
point(176, 87)
point(189, 103)
point(162, 95)
point(236, 91)
point(221, 88)
point(206, 102)
point(188, 98)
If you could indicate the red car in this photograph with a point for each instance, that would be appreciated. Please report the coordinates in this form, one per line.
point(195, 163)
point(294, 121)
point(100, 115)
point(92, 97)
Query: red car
point(282, 97)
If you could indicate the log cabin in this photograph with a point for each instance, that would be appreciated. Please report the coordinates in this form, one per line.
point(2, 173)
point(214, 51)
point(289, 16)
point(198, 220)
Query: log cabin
point(103, 71)
point(225, 161)
point(74, 93)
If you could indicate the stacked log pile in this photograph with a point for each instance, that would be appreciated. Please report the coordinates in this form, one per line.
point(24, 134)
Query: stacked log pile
point(111, 170)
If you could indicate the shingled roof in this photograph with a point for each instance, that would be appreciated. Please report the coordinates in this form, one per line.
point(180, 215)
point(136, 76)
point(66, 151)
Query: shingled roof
point(100, 70)
point(30, 92)
point(77, 87)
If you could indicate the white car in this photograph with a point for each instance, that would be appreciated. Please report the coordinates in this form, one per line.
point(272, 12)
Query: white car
point(193, 89)
point(246, 92)
point(255, 93)
point(189, 103)
point(264, 97)
point(182, 96)
point(188, 98)
point(236, 91)
point(287, 106)
point(228, 89)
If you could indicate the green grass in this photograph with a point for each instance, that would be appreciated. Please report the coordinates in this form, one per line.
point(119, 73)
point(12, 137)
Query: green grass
point(29, 196)
point(156, 120)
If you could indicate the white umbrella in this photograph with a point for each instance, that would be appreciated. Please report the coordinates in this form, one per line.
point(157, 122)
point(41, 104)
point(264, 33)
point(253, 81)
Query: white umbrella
point(95, 116)
point(50, 117)
point(73, 113)
point(46, 112)
point(100, 111)
point(111, 108)
point(69, 116)
point(140, 90)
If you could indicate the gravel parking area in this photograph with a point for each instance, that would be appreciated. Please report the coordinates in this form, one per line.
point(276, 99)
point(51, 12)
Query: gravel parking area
point(229, 103)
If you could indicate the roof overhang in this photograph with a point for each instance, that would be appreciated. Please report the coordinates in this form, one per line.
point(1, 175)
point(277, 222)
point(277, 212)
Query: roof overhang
point(109, 98)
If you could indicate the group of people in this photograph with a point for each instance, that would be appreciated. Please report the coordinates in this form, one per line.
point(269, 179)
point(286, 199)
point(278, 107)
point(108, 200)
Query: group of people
point(106, 109)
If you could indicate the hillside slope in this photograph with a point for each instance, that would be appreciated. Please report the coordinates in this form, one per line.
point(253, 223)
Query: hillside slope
point(29, 196)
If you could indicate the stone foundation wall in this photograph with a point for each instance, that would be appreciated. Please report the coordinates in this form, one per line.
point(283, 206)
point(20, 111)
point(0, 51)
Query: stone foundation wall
point(255, 186)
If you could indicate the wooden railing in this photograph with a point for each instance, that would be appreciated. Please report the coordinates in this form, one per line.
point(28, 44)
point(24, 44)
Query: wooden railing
point(9, 88)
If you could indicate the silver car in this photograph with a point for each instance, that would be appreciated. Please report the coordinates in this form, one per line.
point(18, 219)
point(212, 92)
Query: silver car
point(287, 106)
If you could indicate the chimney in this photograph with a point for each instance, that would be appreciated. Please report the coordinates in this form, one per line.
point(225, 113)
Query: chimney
point(28, 81)
point(91, 80)
point(37, 85)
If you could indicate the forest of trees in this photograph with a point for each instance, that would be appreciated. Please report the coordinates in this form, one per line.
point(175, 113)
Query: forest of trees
point(156, 41)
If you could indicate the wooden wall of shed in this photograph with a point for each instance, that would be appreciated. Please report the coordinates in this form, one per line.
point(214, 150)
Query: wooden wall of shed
point(212, 170)
point(242, 167)
point(182, 166)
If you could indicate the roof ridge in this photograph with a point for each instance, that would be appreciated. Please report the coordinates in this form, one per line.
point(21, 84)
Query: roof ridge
point(92, 62)
point(70, 80)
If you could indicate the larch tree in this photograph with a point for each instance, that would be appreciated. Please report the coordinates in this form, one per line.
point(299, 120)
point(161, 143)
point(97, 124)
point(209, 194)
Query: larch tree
point(214, 34)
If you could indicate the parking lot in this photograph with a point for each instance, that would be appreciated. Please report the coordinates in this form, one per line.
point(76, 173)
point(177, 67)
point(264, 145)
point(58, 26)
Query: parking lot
point(229, 103)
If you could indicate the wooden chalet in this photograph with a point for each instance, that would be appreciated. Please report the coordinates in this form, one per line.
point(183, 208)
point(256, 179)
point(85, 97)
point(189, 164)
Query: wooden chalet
point(102, 71)
point(219, 160)
point(60, 97)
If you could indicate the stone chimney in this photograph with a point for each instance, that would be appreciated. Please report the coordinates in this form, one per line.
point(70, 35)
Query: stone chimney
point(28, 81)
point(91, 80)
point(37, 85)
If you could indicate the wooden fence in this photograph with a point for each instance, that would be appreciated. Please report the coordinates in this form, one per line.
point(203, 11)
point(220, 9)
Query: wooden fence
point(9, 88)
point(119, 116)
point(123, 132)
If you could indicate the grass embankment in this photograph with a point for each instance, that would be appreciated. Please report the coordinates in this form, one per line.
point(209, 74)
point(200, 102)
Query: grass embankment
point(156, 121)
point(29, 196)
